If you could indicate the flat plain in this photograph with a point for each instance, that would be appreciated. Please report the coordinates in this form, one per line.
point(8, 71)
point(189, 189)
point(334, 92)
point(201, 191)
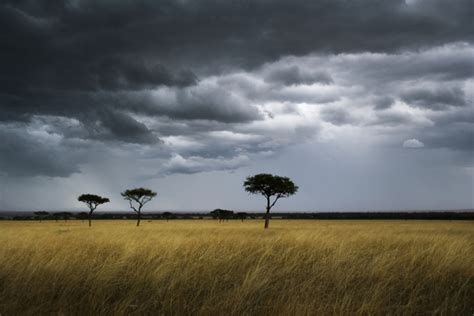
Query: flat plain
point(203, 267)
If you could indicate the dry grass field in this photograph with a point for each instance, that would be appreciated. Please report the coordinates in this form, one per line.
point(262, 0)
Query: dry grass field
point(202, 267)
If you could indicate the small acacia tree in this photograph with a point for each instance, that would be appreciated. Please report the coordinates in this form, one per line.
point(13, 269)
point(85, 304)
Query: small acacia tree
point(82, 216)
point(241, 215)
point(139, 196)
point(56, 216)
point(63, 215)
point(92, 202)
point(41, 215)
point(270, 186)
point(167, 215)
point(222, 215)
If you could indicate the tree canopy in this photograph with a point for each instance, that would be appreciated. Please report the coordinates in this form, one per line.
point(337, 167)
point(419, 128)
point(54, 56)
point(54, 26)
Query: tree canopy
point(167, 215)
point(41, 214)
point(269, 185)
point(64, 215)
point(92, 200)
point(139, 195)
point(222, 215)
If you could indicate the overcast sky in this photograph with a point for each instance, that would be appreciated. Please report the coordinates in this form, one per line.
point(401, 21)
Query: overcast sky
point(366, 105)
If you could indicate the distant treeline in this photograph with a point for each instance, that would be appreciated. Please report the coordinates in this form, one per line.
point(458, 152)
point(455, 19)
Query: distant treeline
point(381, 215)
point(224, 215)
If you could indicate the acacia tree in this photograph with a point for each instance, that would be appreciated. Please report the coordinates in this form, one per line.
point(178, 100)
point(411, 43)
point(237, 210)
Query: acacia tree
point(41, 215)
point(241, 215)
point(82, 216)
point(167, 215)
point(64, 215)
point(222, 215)
point(56, 216)
point(270, 186)
point(92, 201)
point(139, 196)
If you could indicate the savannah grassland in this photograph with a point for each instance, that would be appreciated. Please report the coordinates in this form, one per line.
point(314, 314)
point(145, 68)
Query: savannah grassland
point(202, 267)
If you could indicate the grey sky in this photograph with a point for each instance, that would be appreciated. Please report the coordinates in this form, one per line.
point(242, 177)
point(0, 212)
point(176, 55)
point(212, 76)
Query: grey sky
point(366, 105)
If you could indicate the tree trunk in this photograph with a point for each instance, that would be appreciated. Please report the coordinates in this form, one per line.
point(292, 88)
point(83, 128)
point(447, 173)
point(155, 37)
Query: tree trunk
point(267, 218)
point(138, 218)
point(90, 218)
point(267, 214)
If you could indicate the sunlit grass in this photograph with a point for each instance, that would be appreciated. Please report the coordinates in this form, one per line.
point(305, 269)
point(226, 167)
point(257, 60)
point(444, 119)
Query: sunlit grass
point(210, 268)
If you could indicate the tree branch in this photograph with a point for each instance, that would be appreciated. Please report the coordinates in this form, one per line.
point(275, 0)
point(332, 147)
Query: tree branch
point(276, 199)
point(131, 205)
point(145, 200)
point(279, 195)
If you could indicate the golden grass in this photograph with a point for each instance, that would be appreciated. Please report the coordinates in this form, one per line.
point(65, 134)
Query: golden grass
point(203, 267)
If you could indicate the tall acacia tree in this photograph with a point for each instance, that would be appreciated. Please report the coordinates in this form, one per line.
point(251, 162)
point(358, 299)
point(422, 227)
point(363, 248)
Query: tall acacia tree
point(92, 201)
point(270, 186)
point(139, 196)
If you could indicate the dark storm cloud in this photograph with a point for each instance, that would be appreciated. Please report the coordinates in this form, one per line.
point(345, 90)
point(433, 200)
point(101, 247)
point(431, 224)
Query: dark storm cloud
point(459, 137)
point(125, 128)
point(337, 116)
point(106, 124)
point(120, 72)
point(453, 130)
point(201, 102)
point(382, 103)
point(244, 32)
point(135, 74)
point(110, 73)
point(392, 118)
point(192, 165)
point(132, 45)
point(436, 99)
point(209, 103)
point(449, 62)
point(23, 154)
point(293, 75)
